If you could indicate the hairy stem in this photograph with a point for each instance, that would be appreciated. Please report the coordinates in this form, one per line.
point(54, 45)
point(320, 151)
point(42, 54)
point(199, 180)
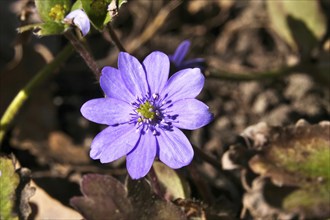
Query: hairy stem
point(155, 183)
point(25, 93)
point(200, 183)
point(84, 53)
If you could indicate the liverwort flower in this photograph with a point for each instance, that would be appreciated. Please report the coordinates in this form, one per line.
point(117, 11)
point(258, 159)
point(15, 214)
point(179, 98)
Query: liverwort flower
point(80, 19)
point(180, 53)
point(144, 111)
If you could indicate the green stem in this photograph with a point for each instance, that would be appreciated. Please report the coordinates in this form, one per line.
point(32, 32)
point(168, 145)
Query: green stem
point(28, 27)
point(24, 93)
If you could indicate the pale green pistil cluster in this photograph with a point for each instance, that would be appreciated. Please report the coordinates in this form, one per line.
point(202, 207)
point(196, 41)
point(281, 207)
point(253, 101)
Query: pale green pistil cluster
point(57, 12)
point(146, 111)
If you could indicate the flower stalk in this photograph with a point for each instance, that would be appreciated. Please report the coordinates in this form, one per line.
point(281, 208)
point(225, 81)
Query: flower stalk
point(81, 49)
point(12, 110)
point(155, 183)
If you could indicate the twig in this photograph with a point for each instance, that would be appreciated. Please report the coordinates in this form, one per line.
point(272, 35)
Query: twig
point(115, 38)
point(216, 164)
point(152, 28)
point(12, 110)
point(147, 34)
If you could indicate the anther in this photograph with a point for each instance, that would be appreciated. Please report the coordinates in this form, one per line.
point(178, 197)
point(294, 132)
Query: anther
point(155, 96)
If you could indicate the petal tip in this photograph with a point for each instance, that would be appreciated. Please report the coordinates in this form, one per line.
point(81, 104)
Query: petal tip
point(80, 19)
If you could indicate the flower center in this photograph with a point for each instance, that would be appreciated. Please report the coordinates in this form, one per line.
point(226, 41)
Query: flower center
point(150, 114)
point(147, 111)
point(57, 12)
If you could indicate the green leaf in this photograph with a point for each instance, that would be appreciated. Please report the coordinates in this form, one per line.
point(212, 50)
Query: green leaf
point(77, 5)
point(8, 183)
point(50, 28)
point(53, 10)
point(96, 11)
point(175, 186)
point(300, 23)
point(28, 27)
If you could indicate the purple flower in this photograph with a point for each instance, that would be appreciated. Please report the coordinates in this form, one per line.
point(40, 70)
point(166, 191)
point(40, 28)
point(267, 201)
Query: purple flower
point(180, 53)
point(144, 111)
point(80, 19)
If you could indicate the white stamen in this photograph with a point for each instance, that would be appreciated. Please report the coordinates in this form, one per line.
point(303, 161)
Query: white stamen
point(155, 96)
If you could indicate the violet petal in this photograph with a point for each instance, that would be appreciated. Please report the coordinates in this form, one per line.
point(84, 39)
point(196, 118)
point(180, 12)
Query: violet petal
point(107, 111)
point(175, 149)
point(184, 84)
point(113, 85)
point(80, 19)
point(141, 158)
point(133, 74)
point(192, 114)
point(157, 67)
point(114, 142)
point(180, 52)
